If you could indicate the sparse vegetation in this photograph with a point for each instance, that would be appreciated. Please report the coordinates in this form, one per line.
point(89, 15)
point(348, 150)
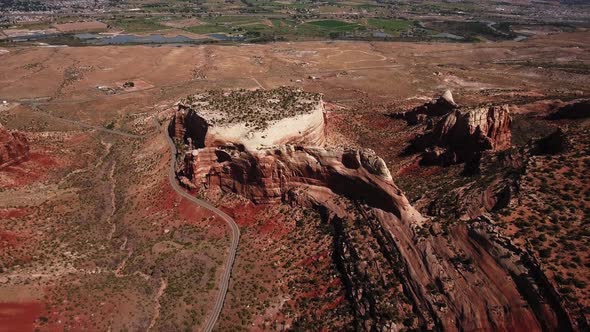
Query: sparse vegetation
point(254, 108)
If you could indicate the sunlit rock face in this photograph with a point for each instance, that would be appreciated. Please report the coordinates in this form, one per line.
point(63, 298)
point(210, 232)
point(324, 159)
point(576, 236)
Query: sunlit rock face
point(267, 176)
point(254, 119)
point(404, 270)
point(464, 133)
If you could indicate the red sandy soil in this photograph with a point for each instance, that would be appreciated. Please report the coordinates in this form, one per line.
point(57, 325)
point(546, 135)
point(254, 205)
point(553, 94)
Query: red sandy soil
point(260, 217)
point(334, 304)
point(315, 258)
point(36, 168)
point(274, 228)
point(78, 139)
point(61, 320)
point(245, 214)
point(8, 240)
point(13, 213)
point(17, 317)
point(415, 170)
point(167, 200)
point(195, 215)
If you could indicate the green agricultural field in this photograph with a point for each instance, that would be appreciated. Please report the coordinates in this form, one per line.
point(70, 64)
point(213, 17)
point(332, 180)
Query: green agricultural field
point(232, 19)
point(282, 23)
point(335, 25)
point(137, 25)
point(257, 27)
point(389, 26)
point(208, 28)
point(472, 31)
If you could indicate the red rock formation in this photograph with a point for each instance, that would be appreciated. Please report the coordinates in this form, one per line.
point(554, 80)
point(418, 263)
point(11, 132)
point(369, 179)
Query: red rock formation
point(452, 280)
point(266, 176)
point(186, 125)
point(462, 134)
point(402, 270)
point(14, 147)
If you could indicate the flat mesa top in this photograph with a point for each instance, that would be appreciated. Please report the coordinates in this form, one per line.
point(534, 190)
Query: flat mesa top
point(254, 108)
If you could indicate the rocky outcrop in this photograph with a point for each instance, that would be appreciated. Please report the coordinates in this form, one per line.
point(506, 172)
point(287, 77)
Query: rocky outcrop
point(400, 270)
point(447, 279)
point(253, 119)
point(462, 135)
point(452, 278)
point(14, 147)
point(267, 176)
point(492, 185)
point(437, 107)
point(575, 110)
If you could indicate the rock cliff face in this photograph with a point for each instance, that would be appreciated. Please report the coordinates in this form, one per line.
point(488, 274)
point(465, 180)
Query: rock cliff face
point(268, 176)
point(400, 269)
point(255, 119)
point(451, 279)
point(463, 134)
point(14, 147)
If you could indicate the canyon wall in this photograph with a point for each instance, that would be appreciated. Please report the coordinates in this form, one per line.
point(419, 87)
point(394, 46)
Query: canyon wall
point(452, 281)
point(574, 110)
point(205, 129)
point(402, 270)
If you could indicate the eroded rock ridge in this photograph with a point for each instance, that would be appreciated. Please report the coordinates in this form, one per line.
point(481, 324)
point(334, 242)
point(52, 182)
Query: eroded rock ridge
point(400, 270)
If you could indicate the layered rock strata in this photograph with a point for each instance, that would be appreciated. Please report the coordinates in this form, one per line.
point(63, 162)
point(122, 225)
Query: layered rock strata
point(449, 278)
point(253, 119)
point(400, 270)
point(268, 176)
point(463, 134)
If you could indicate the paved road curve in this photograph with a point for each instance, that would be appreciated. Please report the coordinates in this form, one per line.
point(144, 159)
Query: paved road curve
point(235, 236)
